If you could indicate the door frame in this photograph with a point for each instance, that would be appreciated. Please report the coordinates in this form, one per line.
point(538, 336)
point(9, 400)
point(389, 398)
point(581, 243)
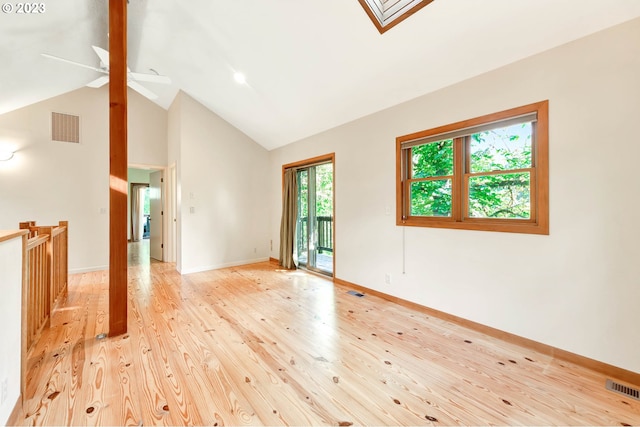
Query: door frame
point(167, 205)
point(325, 158)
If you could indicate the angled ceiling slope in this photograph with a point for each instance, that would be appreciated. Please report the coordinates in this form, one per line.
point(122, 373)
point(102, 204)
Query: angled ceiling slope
point(308, 68)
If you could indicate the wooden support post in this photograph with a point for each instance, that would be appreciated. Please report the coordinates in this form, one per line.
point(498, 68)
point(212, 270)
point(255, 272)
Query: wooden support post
point(118, 167)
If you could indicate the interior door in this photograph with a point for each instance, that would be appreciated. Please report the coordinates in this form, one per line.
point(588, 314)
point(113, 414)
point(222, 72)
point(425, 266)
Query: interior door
point(156, 218)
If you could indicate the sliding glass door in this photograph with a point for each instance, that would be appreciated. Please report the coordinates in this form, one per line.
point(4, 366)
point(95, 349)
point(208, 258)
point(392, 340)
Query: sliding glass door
point(314, 224)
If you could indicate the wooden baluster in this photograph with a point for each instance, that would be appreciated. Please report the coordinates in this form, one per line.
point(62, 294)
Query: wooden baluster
point(46, 275)
point(38, 295)
point(63, 253)
point(48, 279)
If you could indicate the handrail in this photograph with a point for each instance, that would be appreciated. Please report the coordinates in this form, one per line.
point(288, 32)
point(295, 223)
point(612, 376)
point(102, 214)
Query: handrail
point(38, 288)
point(323, 230)
point(37, 241)
point(46, 268)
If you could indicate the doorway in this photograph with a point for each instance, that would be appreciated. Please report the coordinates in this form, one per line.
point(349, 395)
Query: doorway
point(314, 234)
point(146, 211)
point(139, 211)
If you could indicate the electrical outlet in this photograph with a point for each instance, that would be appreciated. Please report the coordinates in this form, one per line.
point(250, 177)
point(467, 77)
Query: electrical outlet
point(387, 278)
point(3, 390)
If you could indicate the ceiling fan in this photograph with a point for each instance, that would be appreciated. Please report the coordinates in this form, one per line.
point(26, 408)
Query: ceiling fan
point(132, 78)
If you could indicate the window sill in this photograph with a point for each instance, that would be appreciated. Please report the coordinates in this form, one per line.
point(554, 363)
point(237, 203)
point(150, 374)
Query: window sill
point(509, 226)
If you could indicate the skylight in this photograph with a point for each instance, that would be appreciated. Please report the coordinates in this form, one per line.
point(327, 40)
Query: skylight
point(387, 13)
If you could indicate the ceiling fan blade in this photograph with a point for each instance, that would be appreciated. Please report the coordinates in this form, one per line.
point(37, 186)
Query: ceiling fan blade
point(102, 54)
point(141, 90)
point(46, 55)
point(99, 82)
point(153, 78)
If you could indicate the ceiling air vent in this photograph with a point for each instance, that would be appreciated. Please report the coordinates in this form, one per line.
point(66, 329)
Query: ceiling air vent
point(65, 128)
point(631, 392)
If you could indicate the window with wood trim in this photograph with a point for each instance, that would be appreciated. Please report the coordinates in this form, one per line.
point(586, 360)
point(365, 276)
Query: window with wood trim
point(489, 173)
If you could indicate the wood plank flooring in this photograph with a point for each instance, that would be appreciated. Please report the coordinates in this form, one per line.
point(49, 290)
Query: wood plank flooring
point(255, 345)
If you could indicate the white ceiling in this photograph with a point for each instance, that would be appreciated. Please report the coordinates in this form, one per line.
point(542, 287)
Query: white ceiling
point(310, 65)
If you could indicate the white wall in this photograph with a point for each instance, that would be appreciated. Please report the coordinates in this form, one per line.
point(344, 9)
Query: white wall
point(578, 288)
point(50, 181)
point(10, 319)
point(147, 137)
point(224, 204)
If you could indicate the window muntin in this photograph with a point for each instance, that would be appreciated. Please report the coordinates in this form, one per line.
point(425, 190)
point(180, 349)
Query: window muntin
point(488, 173)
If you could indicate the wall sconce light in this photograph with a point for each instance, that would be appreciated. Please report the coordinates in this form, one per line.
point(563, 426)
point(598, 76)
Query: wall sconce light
point(6, 155)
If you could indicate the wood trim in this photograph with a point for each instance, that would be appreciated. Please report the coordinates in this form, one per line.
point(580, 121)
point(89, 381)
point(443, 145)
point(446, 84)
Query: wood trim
point(12, 234)
point(541, 159)
point(382, 29)
point(325, 158)
point(539, 222)
point(557, 353)
point(118, 167)
point(330, 157)
point(476, 121)
point(399, 186)
point(37, 241)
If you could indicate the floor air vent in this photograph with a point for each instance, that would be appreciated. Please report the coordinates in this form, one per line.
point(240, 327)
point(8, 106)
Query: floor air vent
point(354, 293)
point(631, 392)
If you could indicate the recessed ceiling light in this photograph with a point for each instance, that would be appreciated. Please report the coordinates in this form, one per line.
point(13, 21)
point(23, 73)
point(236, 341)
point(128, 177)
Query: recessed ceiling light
point(239, 78)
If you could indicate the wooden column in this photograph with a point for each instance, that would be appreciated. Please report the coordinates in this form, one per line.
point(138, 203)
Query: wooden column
point(117, 167)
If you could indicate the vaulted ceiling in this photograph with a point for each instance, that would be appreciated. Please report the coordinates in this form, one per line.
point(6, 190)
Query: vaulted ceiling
point(310, 65)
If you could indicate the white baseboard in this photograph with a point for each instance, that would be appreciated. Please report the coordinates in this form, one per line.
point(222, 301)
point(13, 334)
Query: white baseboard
point(185, 271)
point(223, 265)
point(88, 269)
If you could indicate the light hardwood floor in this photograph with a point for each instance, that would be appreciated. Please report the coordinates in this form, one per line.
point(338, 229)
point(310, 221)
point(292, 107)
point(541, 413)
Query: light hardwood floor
point(255, 345)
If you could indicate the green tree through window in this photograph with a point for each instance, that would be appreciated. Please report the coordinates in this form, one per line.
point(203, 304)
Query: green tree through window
point(488, 173)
